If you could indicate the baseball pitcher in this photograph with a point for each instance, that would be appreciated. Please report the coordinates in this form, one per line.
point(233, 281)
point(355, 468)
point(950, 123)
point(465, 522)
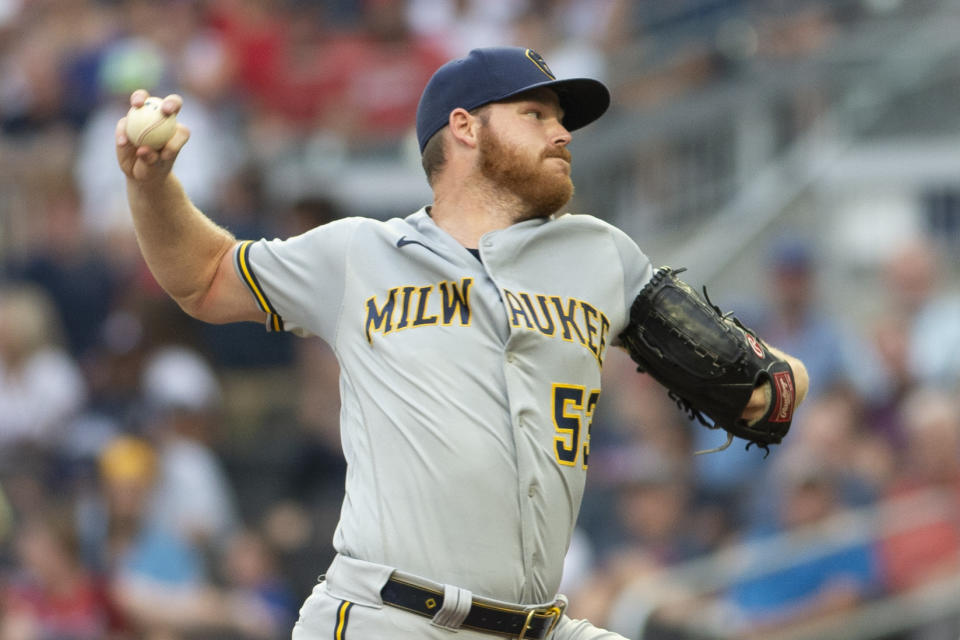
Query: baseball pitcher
point(471, 336)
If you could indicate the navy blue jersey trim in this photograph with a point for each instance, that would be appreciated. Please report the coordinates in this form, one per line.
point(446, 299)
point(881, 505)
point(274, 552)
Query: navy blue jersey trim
point(274, 321)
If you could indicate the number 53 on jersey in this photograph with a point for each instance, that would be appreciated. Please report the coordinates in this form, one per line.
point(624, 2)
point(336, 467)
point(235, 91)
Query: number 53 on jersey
point(572, 416)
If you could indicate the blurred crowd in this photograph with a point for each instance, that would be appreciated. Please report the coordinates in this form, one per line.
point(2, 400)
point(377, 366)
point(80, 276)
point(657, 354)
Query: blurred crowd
point(165, 479)
point(860, 502)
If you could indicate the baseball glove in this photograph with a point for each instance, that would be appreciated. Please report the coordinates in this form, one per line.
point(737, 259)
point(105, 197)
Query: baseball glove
point(708, 361)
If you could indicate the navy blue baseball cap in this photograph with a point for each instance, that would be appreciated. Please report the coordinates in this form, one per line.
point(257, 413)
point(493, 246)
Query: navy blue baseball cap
point(497, 73)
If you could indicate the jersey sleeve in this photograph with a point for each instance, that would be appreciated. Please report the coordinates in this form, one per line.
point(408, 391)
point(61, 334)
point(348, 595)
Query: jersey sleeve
point(637, 270)
point(299, 282)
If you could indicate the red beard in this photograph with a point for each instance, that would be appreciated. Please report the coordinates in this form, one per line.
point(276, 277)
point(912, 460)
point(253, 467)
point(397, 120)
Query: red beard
point(513, 169)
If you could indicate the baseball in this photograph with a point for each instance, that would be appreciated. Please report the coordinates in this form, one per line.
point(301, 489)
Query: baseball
point(147, 125)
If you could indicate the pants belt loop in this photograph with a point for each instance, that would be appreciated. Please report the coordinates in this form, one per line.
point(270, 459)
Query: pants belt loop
point(456, 606)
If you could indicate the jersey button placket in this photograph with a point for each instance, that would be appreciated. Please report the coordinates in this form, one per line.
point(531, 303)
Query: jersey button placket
point(485, 245)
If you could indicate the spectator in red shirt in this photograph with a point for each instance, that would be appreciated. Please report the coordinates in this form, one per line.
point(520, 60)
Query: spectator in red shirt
point(923, 505)
point(51, 594)
point(379, 73)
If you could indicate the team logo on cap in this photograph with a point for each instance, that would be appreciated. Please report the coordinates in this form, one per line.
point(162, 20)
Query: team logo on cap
point(538, 60)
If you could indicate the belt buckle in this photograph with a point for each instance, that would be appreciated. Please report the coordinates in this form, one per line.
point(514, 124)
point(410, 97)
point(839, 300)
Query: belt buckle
point(556, 611)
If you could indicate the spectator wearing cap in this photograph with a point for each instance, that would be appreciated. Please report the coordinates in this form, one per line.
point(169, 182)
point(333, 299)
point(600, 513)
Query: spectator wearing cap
point(146, 563)
point(158, 579)
point(193, 493)
point(837, 359)
point(125, 64)
point(834, 355)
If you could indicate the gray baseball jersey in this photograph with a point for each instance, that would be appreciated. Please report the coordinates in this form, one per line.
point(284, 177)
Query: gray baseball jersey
point(467, 387)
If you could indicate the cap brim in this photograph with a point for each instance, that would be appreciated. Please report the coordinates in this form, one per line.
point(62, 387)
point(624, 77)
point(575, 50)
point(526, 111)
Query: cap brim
point(583, 100)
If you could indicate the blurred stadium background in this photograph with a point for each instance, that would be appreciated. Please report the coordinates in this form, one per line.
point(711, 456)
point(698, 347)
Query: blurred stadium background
point(166, 480)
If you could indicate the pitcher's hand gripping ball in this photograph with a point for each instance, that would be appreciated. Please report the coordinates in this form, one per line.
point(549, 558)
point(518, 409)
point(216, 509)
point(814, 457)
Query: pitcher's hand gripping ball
point(148, 125)
point(708, 361)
